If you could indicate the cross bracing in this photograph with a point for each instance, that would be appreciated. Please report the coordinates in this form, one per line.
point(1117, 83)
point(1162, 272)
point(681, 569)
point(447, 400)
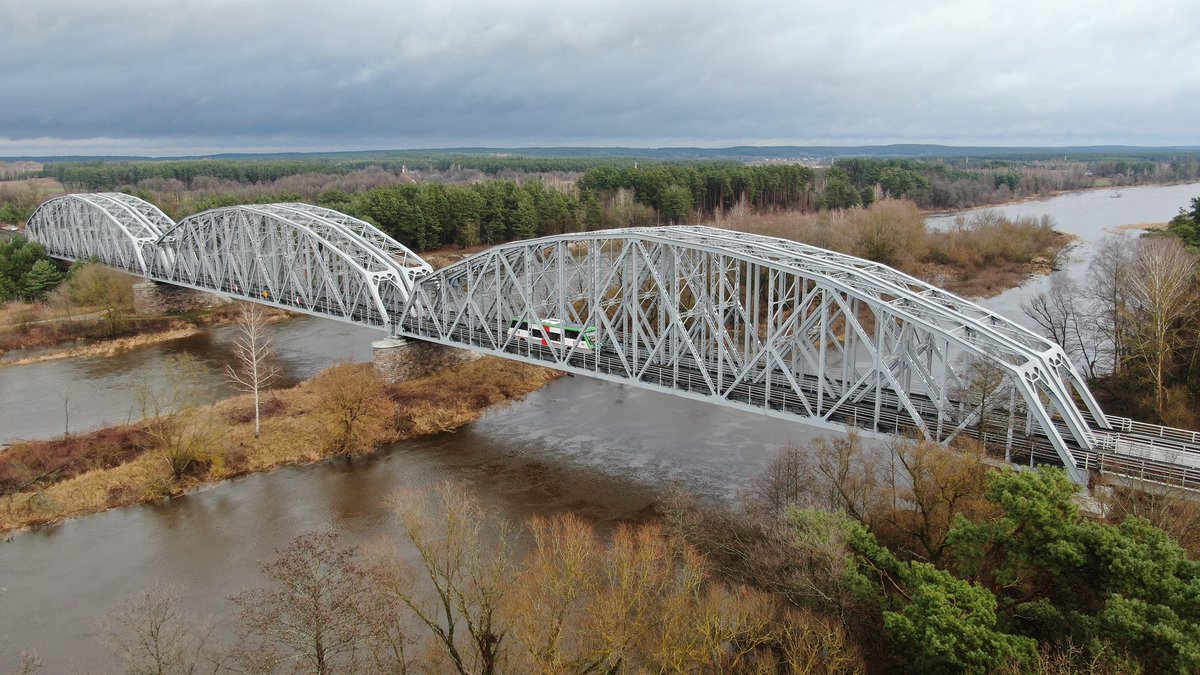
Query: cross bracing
point(111, 227)
point(741, 320)
point(292, 255)
point(778, 327)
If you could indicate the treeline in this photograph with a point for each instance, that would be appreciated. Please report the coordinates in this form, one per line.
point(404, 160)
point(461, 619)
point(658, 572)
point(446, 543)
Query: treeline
point(494, 164)
point(961, 183)
point(425, 216)
point(96, 176)
point(100, 176)
point(431, 215)
point(678, 191)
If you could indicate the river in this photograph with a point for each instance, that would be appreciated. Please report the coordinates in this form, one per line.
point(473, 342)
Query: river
point(598, 448)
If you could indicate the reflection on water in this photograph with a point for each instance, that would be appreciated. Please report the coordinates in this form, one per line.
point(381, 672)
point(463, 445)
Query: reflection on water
point(99, 391)
point(597, 448)
point(623, 446)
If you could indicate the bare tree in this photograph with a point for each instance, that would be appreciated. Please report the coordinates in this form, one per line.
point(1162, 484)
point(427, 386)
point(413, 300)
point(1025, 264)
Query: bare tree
point(153, 636)
point(353, 404)
point(254, 370)
point(467, 565)
point(985, 388)
point(319, 613)
point(178, 428)
point(1108, 289)
point(782, 484)
point(1063, 317)
point(1162, 295)
point(97, 286)
point(936, 484)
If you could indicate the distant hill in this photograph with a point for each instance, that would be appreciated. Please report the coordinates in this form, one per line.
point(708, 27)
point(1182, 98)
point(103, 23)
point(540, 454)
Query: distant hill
point(741, 153)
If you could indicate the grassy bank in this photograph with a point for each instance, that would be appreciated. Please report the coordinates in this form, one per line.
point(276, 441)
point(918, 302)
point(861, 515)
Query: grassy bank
point(47, 481)
point(980, 257)
point(26, 326)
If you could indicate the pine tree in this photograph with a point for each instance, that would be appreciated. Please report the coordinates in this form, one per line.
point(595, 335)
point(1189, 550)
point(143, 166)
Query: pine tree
point(41, 279)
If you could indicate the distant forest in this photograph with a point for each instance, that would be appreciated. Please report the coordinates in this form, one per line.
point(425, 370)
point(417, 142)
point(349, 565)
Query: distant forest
point(433, 199)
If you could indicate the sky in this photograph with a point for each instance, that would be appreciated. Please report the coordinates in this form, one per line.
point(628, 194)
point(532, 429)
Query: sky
point(182, 77)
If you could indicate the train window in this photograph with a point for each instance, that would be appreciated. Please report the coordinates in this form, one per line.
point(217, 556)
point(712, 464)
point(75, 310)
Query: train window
point(535, 332)
point(572, 334)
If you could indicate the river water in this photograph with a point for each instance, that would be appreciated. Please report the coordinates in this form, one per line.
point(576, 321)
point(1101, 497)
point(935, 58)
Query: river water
point(1090, 216)
point(597, 448)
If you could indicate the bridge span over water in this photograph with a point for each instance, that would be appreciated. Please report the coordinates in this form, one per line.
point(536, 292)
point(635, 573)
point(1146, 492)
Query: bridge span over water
point(740, 320)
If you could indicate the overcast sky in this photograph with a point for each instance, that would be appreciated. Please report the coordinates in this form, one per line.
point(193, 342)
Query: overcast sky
point(199, 76)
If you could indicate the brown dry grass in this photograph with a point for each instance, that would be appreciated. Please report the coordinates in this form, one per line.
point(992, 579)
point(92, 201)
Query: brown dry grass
point(33, 326)
point(292, 434)
point(982, 256)
point(456, 397)
point(170, 331)
point(1138, 226)
point(34, 464)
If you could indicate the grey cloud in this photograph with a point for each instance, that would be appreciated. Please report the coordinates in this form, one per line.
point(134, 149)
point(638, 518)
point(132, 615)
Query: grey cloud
point(229, 74)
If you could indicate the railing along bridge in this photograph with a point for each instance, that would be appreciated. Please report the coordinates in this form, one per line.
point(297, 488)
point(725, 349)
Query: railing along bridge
point(741, 320)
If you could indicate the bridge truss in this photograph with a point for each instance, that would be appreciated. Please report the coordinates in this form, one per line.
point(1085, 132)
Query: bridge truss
point(767, 324)
point(741, 320)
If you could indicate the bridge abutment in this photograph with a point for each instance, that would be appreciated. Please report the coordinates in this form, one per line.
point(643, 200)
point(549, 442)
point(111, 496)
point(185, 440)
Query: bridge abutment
point(152, 297)
point(398, 359)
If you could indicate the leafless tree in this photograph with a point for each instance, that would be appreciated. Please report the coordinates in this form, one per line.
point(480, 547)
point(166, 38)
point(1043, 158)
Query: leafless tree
point(464, 559)
point(319, 613)
point(254, 370)
point(1108, 289)
point(984, 390)
point(1062, 314)
point(353, 404)
point(1162, 295)
point(178, 428)
point(782, 484)
point(153, 636)
point(934, 486)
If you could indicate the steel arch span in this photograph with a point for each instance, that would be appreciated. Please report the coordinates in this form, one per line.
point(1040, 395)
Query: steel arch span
point(114, 228)
point(741, 320)
point(296, 256)
point(766, 324)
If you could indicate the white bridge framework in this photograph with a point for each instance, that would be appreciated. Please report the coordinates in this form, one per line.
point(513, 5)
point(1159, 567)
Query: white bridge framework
point(742, 320)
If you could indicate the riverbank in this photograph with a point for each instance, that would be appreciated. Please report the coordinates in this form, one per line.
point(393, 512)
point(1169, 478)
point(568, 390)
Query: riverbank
point(68, 337)
point(294, 432)
point(1053, 194)
point(106, 347)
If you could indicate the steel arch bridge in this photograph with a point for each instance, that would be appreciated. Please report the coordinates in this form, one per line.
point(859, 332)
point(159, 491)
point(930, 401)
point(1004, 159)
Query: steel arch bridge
point(741, 320)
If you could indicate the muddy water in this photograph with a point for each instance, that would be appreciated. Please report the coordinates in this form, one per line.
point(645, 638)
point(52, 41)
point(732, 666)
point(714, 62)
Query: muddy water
point(598, 449)
point(593, 447)
point(43, 399)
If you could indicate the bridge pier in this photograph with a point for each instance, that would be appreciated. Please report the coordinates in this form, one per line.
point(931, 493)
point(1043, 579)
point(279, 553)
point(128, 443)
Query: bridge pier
point(398, 359)
point(152, 297)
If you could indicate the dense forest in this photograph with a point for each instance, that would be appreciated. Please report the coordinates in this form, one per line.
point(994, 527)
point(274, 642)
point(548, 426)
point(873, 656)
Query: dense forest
point(596, 190)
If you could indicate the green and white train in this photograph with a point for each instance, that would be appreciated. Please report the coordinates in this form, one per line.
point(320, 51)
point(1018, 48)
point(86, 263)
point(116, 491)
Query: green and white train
point(547, 332)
